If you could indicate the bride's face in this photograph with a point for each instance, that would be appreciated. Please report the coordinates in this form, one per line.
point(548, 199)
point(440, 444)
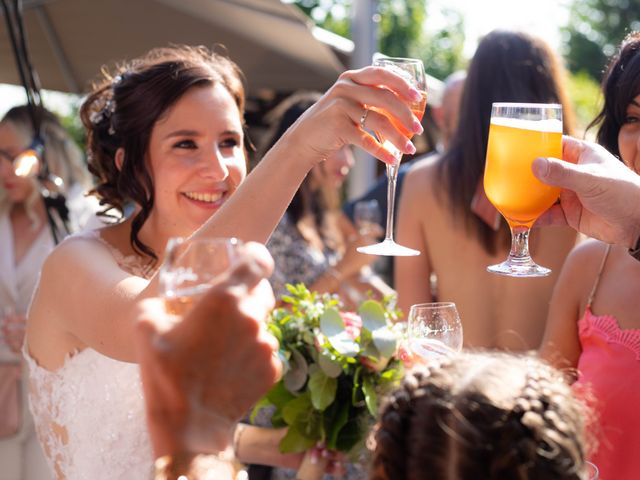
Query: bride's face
point(196, 157)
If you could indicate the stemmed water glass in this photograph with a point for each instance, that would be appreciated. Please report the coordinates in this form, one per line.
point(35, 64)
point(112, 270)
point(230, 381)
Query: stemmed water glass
point(190, 268)
point(413, 71)
point(434, 330)
point(518, 134)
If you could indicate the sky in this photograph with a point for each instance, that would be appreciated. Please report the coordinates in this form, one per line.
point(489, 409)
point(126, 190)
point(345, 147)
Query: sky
point(542, 17)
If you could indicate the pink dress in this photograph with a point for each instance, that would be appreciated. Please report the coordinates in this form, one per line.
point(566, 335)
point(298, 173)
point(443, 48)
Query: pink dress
point(610, 366)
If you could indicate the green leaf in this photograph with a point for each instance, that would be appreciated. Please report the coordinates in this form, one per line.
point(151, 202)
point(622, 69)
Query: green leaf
point(332, 326)
point(336, 424)
point(374, 320)
point(296, 377)
point(298, 407)
point(322, 388)
point(295, 442)
point(372, 315)
point(328, 365)
point(279, 395)
point(370, 396)
point(385, 341)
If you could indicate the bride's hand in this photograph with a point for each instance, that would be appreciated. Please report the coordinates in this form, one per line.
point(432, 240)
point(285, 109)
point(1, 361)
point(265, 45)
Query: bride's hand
point(335, 120)
point(195, 369)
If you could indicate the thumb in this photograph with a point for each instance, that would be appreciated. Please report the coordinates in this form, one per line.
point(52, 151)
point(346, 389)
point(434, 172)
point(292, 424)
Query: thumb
point(559, 173)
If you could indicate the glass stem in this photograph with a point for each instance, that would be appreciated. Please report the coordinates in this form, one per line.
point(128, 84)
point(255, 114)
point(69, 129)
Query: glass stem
point(392, 176)
point(519, 253)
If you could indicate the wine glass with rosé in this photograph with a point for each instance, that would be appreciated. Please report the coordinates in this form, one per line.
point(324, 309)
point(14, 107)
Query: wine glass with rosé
point(518, 134)
point(412, 70)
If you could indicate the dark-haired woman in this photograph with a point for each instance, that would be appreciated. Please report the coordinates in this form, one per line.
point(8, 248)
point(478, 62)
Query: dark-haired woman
point(167, 135)
point(445, 214)
point(593, 321)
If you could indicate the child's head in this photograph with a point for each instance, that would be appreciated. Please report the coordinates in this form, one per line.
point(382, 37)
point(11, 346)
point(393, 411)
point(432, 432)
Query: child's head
point(481, 416)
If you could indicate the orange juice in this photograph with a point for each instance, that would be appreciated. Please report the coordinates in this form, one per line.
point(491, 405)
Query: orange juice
point(508, 181)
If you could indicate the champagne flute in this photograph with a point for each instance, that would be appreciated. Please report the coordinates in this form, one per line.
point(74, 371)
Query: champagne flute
point(190, 268)
point(519, 133)
point(413, 71)
point(434, 330)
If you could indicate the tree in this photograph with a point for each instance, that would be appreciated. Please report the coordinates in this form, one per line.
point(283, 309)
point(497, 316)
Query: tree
point(401, 30)
point(595, 29)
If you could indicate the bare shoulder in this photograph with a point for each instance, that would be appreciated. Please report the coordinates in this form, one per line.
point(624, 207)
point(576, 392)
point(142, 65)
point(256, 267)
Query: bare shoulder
point(421, 174)
point(583, 262)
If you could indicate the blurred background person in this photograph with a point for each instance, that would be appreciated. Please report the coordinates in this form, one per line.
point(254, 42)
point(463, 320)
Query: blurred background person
point(593, 321)
point(314, 242)
point(25, 240)
point(445, 214)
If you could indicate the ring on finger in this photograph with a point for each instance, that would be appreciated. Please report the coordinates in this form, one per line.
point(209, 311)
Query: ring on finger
point(363, 118)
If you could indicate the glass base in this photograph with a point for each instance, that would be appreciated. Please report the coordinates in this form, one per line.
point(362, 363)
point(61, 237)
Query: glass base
point(520, 269)
point(388, 248)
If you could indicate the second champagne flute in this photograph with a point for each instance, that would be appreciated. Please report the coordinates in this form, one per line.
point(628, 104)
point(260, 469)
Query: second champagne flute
point(413, 71)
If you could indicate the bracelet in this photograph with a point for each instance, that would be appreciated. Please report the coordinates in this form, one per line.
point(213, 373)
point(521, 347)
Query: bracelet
point(237, 434)
point(635, 251)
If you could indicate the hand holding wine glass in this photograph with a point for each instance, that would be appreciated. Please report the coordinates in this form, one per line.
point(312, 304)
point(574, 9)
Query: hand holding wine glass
point(412, 70)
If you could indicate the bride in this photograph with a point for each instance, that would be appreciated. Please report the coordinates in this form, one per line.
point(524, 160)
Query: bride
point(166, 135)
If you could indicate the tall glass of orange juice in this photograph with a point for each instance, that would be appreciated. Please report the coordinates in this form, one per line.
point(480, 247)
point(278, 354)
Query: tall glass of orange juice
point(519, 133)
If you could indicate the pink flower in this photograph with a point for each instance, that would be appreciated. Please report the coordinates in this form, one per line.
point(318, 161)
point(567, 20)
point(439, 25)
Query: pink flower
point(352, 324)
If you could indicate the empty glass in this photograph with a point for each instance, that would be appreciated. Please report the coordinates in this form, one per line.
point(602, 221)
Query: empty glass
point(434, 329)
point(191, 266)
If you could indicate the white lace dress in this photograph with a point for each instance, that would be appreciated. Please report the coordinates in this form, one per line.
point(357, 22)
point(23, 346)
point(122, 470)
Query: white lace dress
point(89, 414)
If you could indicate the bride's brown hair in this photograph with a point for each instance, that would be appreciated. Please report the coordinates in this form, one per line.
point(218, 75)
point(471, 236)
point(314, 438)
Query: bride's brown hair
point(122, 110)
point(480, 417)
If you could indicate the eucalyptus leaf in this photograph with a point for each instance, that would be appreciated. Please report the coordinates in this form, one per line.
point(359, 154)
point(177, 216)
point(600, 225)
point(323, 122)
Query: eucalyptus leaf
point(372, 315)
point(296, 376)
point(329, 366)
point(323, 389)
point(385, 341)
point(332, 326)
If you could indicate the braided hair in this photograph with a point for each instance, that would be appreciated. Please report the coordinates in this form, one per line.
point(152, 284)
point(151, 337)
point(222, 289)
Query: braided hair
point(481, 416)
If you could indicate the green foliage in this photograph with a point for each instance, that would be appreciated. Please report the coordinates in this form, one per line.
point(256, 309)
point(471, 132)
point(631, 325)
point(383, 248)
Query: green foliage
point(402, 30)
point(340, 371)
point(595, 29)
point(72, 124)
point(586, 97)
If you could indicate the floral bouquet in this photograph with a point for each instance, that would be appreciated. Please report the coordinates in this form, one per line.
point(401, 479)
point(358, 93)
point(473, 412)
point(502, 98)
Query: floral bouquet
point(336, 365)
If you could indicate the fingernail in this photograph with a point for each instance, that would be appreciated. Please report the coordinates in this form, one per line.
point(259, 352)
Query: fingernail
point(417, 126)
point(540, 167)
point(410, 148)
point(415, 94)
